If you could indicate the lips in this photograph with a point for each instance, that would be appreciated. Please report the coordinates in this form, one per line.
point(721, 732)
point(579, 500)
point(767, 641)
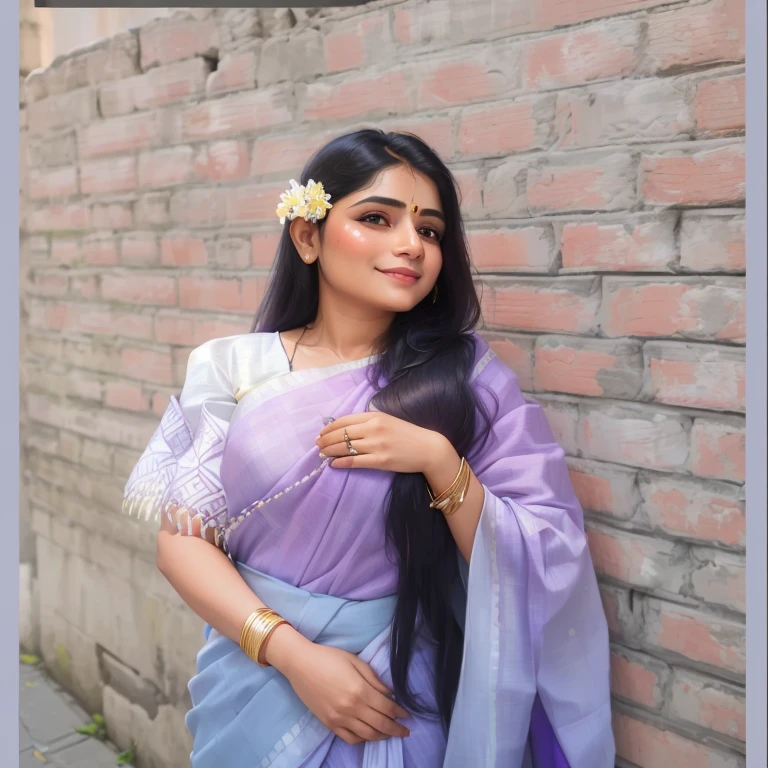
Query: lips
point(401, 274)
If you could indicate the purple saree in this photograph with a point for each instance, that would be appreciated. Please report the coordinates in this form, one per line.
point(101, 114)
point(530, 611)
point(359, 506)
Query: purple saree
point(237, 450)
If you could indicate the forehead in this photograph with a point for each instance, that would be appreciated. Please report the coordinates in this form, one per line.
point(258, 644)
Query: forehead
point(403, 183)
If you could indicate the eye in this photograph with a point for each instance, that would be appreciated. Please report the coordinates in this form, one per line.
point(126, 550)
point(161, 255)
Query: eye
point(372, 216)
point(435, 234)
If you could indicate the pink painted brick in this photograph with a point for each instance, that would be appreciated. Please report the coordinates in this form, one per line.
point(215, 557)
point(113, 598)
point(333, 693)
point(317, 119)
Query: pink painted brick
point(701, 637)
point(718, 448)
point(702, 510)
point(634, 244)
point(638, 561)
point(139, 249)
point(595, 52)
point(435, 131)
point(628, 110)
point(466, 78)
point(591, 181)
point(588, 367)
point(706, 309)
point(649, 746)
point(713, 242)
point(499, 129)
point(166, 167)
point(552, 13)
point(696, 376)
point(263, 248)
point(638, 678)
point(119, 134)
point(232, 253)
point(721, 104)
point(353, 43)
point(523, 249)
point(356, 97)
point(283, 154)
point(183, 251)
point(608, 489)
point(167, 40)
point(139, 289)
point(235, 72)
point(108, 176)
point(636, 435)
point(709, 176)
point(222, 161)
point(704, 34)
point(720, 578)
point(708, 703)
point(562, 305)
point(254, 202)
point(242, 113)
point(155, 88)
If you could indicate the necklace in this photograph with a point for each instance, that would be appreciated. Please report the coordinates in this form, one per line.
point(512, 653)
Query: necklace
point(295, 347)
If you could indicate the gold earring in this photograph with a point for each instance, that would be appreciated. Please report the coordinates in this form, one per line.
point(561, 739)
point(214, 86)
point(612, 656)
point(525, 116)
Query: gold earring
point(414, 208)
point(434, 295)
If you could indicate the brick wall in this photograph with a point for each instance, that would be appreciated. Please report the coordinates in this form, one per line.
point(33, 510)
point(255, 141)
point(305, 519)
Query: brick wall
point(599, 146)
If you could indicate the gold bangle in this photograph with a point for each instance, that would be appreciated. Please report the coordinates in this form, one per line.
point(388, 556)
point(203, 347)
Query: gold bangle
point(247, 631)
point(453, 496)
point(450, 489)
point(257, 629)
point(249, 623)
point(261, 657)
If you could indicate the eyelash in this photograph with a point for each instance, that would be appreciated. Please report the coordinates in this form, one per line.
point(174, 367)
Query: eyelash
point(436, 238)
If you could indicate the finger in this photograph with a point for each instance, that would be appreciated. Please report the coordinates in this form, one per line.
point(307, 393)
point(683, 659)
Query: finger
point(386, 705)
point(342, 449)
point(365, 731)
point(384, 724)
point(353, 432)
point(345, 421)
point(347, 735)
point(370, 676)
point(361, 461)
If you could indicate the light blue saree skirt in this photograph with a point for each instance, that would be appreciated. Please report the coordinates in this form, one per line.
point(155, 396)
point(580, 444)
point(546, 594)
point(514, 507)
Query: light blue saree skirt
point(247, 716)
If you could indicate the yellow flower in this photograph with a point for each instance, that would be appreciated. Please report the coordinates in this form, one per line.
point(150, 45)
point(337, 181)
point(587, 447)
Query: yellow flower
point(310, 202)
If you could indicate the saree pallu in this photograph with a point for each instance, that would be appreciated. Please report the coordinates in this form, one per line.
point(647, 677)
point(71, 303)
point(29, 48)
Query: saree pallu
point(534, 686)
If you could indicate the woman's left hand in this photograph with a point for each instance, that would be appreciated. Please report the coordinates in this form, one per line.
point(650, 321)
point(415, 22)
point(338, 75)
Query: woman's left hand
point(382, 442)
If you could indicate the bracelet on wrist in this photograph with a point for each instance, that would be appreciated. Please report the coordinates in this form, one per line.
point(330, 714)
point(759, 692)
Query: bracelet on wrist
point(256, 631)
point(453, 496)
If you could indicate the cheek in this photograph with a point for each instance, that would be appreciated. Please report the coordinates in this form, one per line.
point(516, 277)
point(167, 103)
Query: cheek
point(350, 240)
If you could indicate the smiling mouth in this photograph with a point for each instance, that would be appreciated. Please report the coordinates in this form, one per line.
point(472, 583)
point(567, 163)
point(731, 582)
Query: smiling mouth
point(400, 277)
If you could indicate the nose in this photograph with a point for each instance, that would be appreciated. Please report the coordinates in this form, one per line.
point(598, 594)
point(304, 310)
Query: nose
point(409, 242)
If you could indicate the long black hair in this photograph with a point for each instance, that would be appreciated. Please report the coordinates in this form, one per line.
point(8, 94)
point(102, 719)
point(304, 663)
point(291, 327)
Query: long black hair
point(425, 361)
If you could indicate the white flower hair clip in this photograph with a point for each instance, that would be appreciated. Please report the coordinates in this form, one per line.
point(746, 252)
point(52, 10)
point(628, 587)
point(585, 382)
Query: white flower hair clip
point(310, 202)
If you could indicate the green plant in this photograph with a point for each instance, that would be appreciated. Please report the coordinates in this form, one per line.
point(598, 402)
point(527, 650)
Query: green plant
point(128, 757)
point(96, 729)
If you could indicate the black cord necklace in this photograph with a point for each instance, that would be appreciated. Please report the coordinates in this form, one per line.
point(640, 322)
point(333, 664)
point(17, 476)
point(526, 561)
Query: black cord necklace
point(295, 347)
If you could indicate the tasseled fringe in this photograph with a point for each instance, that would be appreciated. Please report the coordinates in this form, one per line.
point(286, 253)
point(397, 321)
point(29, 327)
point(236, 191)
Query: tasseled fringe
point(147, 503)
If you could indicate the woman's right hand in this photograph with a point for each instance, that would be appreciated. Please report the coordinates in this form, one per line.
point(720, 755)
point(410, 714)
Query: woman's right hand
point(342, 691)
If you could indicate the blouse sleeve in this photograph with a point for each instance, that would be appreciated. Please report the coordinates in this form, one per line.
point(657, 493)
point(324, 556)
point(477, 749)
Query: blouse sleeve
point(178, 474)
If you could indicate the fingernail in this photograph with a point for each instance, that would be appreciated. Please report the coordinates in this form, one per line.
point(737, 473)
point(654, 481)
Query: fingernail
point(321, 455)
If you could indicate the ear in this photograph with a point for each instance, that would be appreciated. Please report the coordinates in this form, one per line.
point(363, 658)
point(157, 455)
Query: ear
point(306, 239)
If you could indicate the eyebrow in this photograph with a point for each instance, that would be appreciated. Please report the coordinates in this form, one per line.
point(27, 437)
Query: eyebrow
point(399, 204)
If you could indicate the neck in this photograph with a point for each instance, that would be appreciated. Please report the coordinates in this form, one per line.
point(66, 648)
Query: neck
point(347, 330)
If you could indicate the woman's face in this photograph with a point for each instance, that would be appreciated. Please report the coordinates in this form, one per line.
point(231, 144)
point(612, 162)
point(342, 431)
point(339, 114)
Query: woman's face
point(376, 249)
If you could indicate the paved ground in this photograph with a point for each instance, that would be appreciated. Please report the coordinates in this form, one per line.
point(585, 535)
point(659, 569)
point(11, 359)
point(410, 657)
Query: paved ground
point(48, 717)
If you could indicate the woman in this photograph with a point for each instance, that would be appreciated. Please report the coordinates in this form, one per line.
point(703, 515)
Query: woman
point(378, 529)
